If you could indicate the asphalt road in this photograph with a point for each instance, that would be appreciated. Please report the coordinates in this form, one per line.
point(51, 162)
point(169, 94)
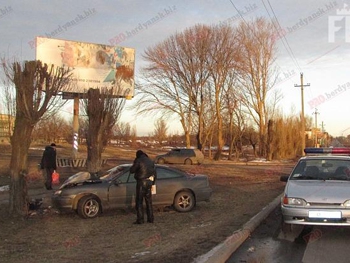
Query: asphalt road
point(268, 243)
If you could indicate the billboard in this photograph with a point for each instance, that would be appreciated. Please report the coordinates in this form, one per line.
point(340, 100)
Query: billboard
point(93, 65)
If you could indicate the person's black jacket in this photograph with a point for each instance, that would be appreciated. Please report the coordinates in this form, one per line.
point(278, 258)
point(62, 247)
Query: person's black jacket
point(143, 167)
point(49, 158)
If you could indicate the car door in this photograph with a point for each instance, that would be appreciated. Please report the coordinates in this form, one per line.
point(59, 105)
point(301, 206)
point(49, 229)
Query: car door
point(121, 191)
point(174, 156)
point(168, 183)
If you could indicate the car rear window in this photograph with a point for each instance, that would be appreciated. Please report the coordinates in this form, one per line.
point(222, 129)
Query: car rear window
point(163, 173)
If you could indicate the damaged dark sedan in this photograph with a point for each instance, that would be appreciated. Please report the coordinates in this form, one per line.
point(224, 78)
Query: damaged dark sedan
point(89, 196)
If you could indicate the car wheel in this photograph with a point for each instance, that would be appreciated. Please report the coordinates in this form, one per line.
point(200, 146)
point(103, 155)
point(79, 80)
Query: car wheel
point(188, 162)
point(161, 161)
point(89, 207)
point(184, 201)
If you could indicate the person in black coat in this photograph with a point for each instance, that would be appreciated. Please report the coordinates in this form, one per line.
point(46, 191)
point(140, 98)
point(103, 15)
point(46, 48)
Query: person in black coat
point(146, 176)
point(48, 164)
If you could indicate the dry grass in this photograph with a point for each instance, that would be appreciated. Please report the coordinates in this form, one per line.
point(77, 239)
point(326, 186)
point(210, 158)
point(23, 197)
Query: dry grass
point(240, 191)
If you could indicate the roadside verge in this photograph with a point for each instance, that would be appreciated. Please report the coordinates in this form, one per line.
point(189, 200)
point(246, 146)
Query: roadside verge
point(223, 251)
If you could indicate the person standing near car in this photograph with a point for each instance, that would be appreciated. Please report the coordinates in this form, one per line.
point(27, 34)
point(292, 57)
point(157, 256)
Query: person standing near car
point(145, 176)
point(48, 164)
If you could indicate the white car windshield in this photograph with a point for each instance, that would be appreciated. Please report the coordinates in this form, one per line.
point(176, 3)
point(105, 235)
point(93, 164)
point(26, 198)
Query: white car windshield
point(322, 169)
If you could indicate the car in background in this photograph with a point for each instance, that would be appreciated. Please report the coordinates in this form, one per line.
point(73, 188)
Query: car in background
point(181, 156)
point(317, 191)
point(89, 195)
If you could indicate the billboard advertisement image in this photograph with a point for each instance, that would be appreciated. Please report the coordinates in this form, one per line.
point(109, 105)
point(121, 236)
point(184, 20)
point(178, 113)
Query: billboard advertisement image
point(93, 65)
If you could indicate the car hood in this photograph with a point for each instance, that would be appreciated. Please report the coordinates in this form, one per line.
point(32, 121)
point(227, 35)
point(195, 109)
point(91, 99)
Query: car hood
point(319, 191)
point(79, 178)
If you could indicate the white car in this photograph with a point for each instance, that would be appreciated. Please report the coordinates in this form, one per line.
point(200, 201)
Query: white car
point(318, 189)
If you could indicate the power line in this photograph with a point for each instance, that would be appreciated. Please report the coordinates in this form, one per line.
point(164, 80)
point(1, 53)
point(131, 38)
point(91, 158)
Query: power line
point(283, 37)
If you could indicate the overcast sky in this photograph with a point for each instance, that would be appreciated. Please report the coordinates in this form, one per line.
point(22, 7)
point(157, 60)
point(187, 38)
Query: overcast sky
point(315, 31)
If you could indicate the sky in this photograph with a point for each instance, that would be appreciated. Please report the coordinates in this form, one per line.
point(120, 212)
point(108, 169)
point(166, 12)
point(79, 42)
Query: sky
point(314, 40)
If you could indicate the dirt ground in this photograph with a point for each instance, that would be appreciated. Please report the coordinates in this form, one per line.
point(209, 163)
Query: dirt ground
point(239, 192)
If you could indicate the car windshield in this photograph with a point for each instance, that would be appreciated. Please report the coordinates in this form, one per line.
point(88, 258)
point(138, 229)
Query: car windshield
point(112, 173)
point(322, 169)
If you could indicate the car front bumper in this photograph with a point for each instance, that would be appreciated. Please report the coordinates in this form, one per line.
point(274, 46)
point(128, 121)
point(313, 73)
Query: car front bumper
point(316, 216)
point(62, 203)
point(203, 194)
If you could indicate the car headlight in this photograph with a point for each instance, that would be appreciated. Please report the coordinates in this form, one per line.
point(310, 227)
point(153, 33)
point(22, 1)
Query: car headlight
point(294, 201)
point(347, 203)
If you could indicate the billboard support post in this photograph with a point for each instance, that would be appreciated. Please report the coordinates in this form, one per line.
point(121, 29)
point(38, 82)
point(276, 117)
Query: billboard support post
point(75, 125)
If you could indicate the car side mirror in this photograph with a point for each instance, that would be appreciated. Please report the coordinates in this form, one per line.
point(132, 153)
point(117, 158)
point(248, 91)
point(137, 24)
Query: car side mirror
point(284, 178)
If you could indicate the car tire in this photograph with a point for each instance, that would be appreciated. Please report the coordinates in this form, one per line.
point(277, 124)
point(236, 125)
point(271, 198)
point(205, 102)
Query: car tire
point(89, 207)
point(184, 201)
point(188, 161)
point(161, 161)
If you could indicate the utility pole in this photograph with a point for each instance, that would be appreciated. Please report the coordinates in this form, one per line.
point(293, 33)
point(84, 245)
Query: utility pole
point(323, 141)
point(316, 113)
point(302, 112)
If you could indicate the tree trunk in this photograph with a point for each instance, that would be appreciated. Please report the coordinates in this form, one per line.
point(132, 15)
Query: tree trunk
point(270, 137)
point(220, 130)
point(20, 143)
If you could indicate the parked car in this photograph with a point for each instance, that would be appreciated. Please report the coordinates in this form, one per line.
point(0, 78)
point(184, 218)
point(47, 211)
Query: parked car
point(90, 196)
point(181, 156)
point(318, 189)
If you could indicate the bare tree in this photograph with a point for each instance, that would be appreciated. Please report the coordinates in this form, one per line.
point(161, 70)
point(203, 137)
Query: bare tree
point(122, 132)
point(103, 111)
point(176, 76)
point(36, 86)
point(160, 130)
point(224, 61)
point(8, 105)
point(257, 73)
point(52, 129)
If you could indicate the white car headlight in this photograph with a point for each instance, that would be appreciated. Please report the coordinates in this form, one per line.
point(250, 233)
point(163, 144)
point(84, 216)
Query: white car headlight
point(294, 201)
point(347, 203)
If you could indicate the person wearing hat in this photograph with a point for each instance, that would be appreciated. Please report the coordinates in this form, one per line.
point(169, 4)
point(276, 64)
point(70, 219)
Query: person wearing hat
point(146, 176)
point(48, 164)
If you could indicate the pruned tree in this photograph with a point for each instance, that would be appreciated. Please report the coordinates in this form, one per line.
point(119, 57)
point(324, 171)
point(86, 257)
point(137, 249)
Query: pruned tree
point(103, 110)
point(36, 86)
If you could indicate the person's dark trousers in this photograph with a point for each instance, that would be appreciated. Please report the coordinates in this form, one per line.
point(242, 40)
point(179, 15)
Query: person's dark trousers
point(143, 191)
point(147, 191)
point(48, 178)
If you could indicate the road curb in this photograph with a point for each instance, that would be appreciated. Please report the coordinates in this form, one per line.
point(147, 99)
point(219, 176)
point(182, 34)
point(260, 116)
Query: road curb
point(223, 251)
